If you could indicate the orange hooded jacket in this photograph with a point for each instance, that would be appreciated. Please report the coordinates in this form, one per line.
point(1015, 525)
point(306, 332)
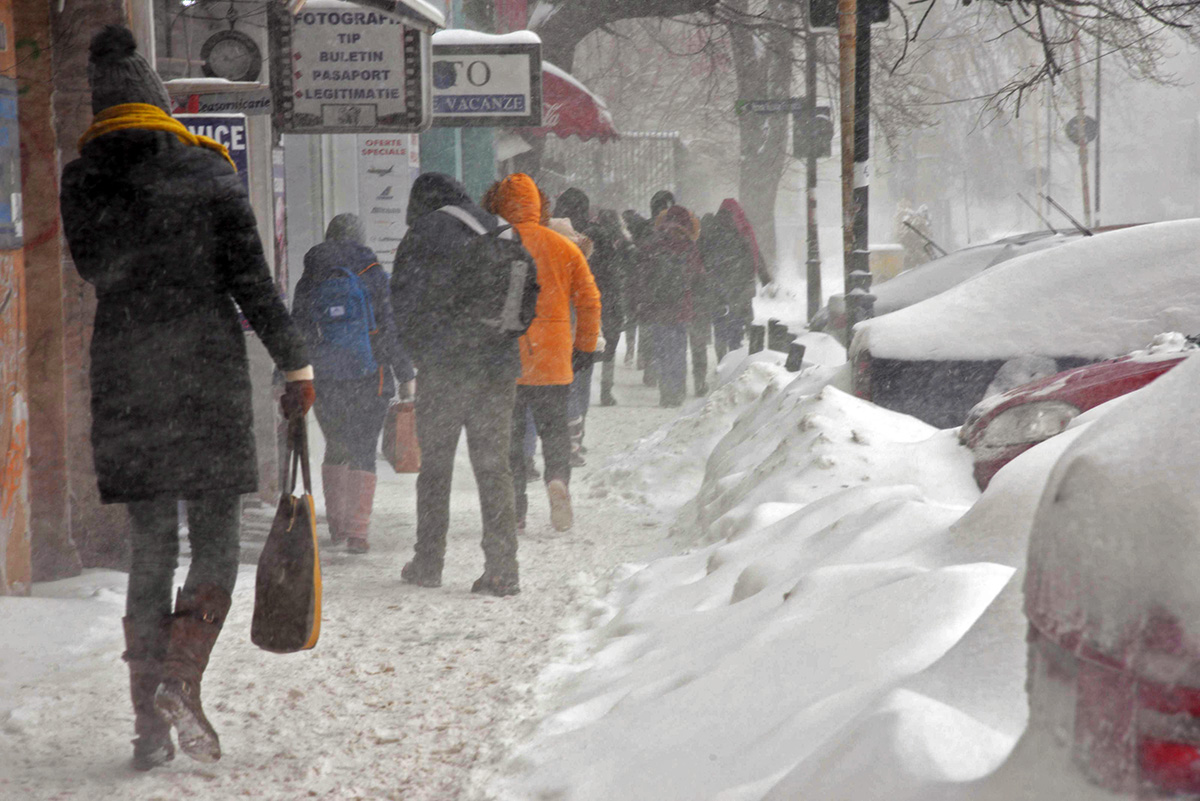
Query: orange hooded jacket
point(565, 280)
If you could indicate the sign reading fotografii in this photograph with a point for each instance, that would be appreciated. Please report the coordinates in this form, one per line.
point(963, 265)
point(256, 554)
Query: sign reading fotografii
point(342, 68)
point(487, 80)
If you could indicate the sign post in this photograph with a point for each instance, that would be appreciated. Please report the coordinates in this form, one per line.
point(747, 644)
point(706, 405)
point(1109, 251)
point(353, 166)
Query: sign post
point(341, 68)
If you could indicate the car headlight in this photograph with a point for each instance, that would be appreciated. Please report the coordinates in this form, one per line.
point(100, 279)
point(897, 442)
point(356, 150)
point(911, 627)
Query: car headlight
point(1030, 422)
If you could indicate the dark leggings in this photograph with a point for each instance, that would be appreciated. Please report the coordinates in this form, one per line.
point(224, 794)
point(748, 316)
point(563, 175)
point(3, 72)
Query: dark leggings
point(549, 407)
point(213, 529)
point(351, 414)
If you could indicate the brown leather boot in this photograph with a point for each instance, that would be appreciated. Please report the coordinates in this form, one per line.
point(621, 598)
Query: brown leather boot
point(145, 647)
point(356, 513)
point(195, 626)
point(333, 487)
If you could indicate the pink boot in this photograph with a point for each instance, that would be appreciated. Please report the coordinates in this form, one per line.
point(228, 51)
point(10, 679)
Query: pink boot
point(356, 519)
point(333, 485)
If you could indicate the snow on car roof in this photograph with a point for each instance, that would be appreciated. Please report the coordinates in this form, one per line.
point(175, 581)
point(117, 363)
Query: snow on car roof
point(915, 285)
point(1095, 298)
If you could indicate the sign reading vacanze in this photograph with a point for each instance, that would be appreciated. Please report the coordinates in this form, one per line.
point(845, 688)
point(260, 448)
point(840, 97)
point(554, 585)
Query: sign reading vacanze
point(487, 80)
point(344, 68)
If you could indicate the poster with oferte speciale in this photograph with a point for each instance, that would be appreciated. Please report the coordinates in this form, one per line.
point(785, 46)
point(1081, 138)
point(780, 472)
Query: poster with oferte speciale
point(387, 165)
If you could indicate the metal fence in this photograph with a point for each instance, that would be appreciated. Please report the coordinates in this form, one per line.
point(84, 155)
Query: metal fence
point(622, 174)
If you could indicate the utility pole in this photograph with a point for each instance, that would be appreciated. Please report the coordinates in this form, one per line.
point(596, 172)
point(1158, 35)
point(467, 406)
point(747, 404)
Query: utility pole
point(854, 41)
point(1097, 182)
point(810, 167)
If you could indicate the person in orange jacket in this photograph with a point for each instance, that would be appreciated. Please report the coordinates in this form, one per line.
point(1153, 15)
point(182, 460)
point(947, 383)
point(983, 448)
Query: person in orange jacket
point(551, 353)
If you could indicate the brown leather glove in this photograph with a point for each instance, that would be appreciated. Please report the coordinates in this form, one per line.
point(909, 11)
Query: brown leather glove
point(298, 397)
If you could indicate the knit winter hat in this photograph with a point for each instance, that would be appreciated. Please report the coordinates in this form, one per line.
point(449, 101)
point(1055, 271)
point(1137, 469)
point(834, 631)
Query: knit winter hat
point(346, 228)
point(119, 74)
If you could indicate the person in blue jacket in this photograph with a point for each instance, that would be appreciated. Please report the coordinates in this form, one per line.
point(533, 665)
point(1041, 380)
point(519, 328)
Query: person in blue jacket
point(343, 308)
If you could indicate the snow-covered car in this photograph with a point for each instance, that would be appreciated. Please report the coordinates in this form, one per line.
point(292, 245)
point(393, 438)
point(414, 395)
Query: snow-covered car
point(1089, 300)
point(1003, 426)
point(1112, 599)
point(935, 277)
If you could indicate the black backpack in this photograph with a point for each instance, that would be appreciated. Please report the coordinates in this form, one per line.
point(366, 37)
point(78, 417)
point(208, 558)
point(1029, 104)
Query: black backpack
point(494, 289)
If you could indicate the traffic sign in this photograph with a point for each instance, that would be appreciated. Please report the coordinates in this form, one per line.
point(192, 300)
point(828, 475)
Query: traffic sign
point(823, 14)
point(813, 135)
point(782, 105)
point(1082, 129)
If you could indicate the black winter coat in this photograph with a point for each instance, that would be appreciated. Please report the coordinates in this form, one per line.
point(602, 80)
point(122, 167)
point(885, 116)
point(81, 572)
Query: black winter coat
point(320, 264)
point(427, 255)
point(166, 235)
point(608, 263)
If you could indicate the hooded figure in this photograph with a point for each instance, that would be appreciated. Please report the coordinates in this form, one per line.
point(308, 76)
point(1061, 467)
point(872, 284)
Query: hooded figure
point(159, 223)
point(551, 352)
point(733, 260)
point(462, 383)
point(354, 386)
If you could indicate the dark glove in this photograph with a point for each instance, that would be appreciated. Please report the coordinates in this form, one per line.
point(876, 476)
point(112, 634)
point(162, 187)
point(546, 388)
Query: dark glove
point(298, 397)
point(581, 361)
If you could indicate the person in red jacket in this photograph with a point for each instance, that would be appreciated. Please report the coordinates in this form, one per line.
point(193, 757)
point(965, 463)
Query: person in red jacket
point(551, 353)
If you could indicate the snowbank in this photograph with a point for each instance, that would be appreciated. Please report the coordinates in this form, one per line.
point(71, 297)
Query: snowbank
point(1098, 297)
point(846, 632)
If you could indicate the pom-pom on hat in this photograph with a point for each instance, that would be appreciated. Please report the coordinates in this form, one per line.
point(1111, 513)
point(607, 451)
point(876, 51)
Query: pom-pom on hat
point(119, 74)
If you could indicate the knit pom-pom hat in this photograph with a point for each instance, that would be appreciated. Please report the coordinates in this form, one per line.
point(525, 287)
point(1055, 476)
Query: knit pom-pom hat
point(119, 74)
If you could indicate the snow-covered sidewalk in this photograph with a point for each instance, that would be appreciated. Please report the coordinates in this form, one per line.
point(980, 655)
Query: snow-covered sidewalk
point(409, 695)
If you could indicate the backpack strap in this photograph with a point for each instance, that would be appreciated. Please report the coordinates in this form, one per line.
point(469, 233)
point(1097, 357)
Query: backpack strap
point(468, 219)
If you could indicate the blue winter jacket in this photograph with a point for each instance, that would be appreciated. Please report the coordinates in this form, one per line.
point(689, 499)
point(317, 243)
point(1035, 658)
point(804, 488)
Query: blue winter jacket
point(319, 264)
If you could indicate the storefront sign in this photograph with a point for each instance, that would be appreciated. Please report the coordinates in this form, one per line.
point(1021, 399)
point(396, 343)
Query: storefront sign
point(387, 167)
point(342, 68)
point(251, 103)
point(228, 129)
point(486, 80)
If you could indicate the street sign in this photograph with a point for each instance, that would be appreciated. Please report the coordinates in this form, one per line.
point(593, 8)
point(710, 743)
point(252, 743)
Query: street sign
point(823, 14)
point(485, 80)
point(1082, 129)
point(783, 105)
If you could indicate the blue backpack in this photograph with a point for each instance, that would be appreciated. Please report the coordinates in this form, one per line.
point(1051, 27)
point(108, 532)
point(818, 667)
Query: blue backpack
point(344, 322)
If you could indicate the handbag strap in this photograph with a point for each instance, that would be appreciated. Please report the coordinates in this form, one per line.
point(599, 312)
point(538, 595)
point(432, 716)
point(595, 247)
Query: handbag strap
point(298, 447)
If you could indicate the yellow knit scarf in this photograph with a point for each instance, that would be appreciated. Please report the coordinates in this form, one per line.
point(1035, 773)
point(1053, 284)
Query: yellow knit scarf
point(147, 118)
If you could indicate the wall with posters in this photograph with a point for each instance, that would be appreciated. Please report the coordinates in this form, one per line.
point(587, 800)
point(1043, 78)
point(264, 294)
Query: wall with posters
point(387, 166)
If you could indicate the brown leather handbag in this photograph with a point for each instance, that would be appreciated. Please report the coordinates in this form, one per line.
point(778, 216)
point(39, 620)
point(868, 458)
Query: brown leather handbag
point(400, 446)
point(287, 588)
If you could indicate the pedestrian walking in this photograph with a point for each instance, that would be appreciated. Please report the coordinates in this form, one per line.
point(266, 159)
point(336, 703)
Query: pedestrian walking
point(579, 396)
point(343, 308)
point(550, 353)
point(670, 279)
point(636, 345)
point(733, 261)
point(611, 265)
point(159, 223)
point(466, 379)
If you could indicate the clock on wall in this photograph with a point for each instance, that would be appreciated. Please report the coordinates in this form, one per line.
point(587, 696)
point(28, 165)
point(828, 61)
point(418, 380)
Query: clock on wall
point(231, 55)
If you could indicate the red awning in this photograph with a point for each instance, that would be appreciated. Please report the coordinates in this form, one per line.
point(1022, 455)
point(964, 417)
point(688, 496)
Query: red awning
point(570, 109)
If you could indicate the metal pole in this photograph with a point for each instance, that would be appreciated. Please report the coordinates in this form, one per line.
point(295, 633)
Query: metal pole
point(1096, 220)
point(810, 168)
point(859, 301)
point(847, 67)
point(1080, 112)
point(1048, 188)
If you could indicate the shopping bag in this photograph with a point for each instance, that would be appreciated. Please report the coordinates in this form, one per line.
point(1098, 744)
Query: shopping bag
point(400, 446)
point(287, 588)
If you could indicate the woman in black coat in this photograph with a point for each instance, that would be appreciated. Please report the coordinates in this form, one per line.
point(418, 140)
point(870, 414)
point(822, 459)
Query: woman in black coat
point(354, 380)
point(159, 223)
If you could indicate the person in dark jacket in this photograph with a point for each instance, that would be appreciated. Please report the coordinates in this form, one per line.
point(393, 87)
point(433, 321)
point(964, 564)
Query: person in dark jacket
point(354, 385)
point(462, 383)
point(670, 279)
point(158, 222)
point(732, 261)
point(611, 265)
point(640, 229)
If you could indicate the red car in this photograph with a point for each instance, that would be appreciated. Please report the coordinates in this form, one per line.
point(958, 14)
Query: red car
point(1002, 427)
